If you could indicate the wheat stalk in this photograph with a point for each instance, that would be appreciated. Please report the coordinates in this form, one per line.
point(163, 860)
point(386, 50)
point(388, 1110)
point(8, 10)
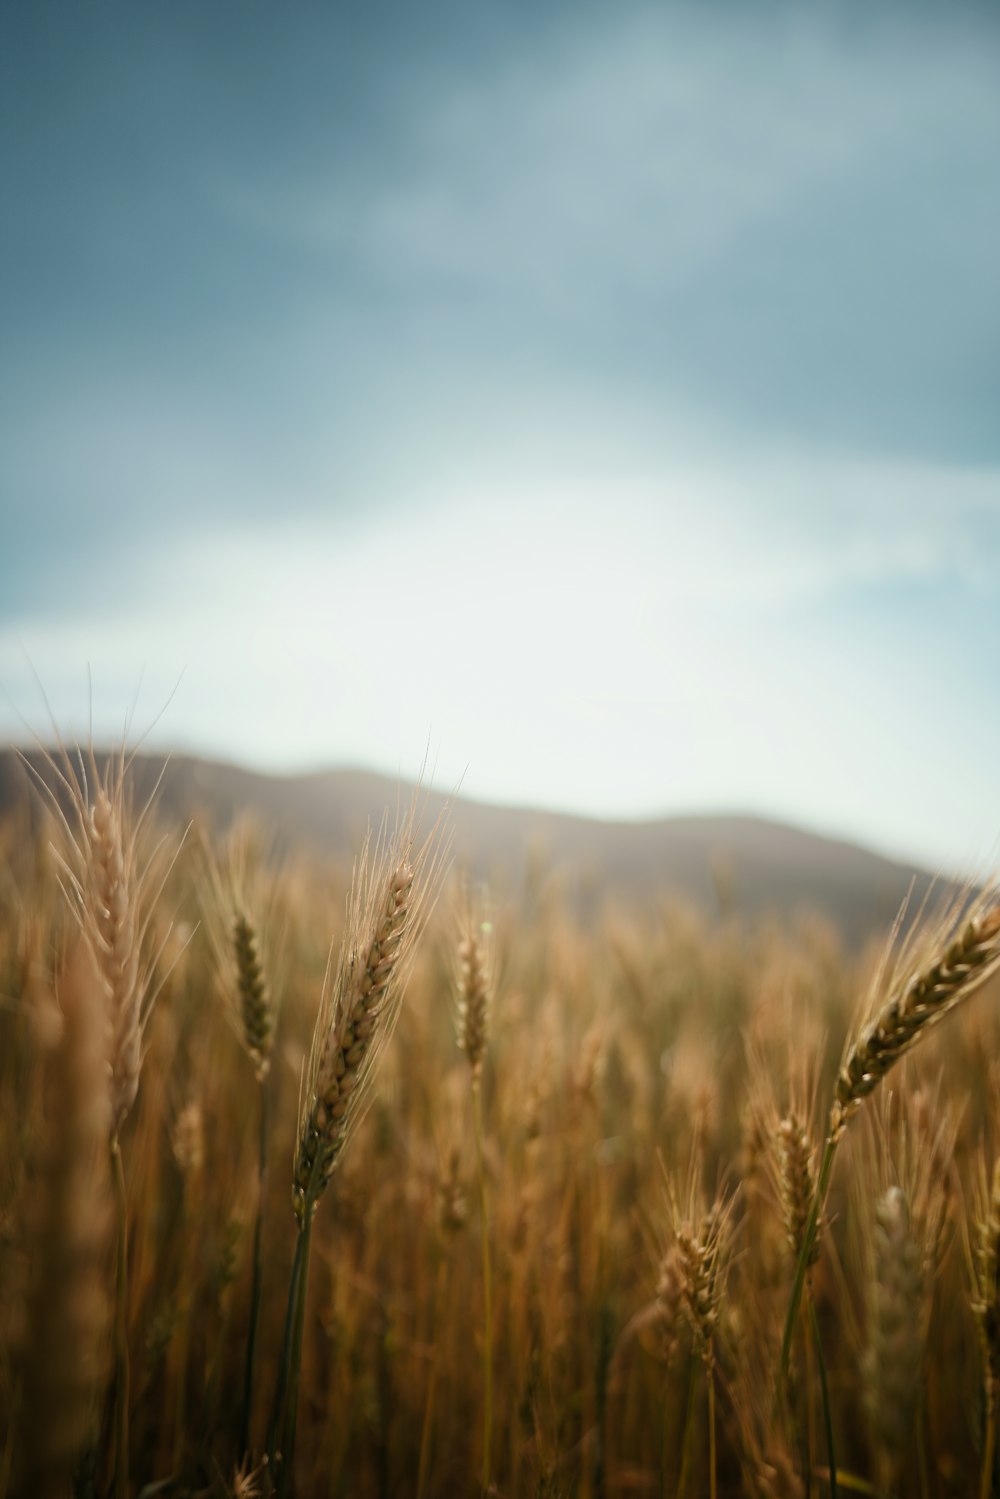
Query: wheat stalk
point(392, 893)
point(67, 1303)
point(473, 982)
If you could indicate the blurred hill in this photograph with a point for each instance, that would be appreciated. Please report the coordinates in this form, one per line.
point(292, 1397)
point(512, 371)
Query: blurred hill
point(744, 865)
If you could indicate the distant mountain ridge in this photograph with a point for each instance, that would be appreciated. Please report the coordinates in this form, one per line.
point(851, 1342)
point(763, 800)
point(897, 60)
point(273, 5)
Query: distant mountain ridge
point(754, 866)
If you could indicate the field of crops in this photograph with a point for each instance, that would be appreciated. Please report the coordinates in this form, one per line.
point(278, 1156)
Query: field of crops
point(364, 1184)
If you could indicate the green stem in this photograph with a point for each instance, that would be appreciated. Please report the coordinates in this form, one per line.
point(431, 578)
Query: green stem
point(825, 1395)
point(664, 1438)
point(257, 1277)
point(989, 1450)
point(925, 1484)
point(276, 1428)
point(710, 1376)
point(688, 1429)
point(477, 1110)
point(801, 1269)
point(853, 1483)
point(182, 1335)
point(121, 1326)
point(287, 1450)
point(810, 1349)
point(428, 1427)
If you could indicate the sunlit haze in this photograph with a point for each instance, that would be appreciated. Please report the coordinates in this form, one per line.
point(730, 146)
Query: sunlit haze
point(601, 398)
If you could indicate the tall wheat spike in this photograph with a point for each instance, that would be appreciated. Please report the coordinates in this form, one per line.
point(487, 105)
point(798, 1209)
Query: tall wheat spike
point(393, 891)
point(966, 960)
point(391, 894)
point(958, 964)
point(112, 891)
point(239, 899)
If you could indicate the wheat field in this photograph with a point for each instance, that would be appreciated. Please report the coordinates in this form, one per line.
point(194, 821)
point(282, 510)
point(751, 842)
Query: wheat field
point(351, 1182)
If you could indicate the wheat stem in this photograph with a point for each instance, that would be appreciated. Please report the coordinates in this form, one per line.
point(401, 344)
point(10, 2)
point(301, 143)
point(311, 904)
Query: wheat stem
point(477, 1113)
point(276, 1428)
point(802, 1264)
point(825, 1396)
point(688, 1429)
point(295, 1365)
point(989, 1453)
point(428, 1426)
point(121, 1326)
point(710, 1377)
point(257, 1272)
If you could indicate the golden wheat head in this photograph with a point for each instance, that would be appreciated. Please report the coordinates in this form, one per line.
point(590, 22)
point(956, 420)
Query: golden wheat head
point(394, 887)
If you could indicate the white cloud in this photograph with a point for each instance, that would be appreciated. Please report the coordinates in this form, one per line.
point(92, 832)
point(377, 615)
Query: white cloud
point(625, 650)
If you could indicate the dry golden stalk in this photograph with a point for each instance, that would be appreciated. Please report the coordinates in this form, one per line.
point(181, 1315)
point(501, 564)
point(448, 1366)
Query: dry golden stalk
point(391, 895)
point(67, 1306)
point(770, 1465)
point(894, 1357)
point(926, 999)
point(453, 1207)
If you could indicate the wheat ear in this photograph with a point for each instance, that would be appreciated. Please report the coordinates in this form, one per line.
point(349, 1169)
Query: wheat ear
point(112, 891)
point(926, 999)
point(896, 1344)
point(961, 964)
point(357, 1014)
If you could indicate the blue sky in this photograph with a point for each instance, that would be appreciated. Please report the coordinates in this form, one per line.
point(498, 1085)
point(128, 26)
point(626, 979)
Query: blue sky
point(605, 394)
